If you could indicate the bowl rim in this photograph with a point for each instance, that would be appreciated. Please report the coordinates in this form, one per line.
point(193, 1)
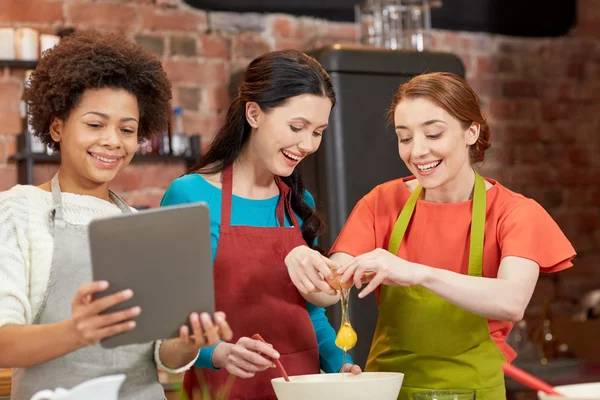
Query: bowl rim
point(445, 391)
point(384, 375)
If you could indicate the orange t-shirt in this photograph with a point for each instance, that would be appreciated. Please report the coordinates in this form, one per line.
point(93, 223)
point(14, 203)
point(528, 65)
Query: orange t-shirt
point(439, 233)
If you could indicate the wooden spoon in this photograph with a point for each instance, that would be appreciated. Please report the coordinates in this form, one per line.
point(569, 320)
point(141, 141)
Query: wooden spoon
point(256, 336)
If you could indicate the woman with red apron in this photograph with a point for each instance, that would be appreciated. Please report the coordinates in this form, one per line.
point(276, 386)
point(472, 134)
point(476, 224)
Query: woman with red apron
point(260, 211)
point(455, 257)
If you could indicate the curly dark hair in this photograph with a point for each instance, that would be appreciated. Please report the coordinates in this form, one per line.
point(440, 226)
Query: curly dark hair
point(94, 60)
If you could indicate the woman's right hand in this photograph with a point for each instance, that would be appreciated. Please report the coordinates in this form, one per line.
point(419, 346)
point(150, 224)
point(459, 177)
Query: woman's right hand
point(309, 270)
point(245, 358)
point(89, 326)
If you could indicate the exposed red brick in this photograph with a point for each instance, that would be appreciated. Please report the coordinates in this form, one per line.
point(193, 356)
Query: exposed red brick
point(128, 179)
point(579, 196)
point(239, 65)
point(11, 122)
point(215, 99)
point(8, 176)
point(146, 198)
point(167, 3)
point(188, 98)
point(347, 32)
point(576, 70)
point(8, 147)
point(518, 88)
point(210, 45)
point(591, 72)
point(552, 110)
point(107, 15)
point(30, 11)
point(284, 26)
point(290, 43)
point(468, 61)
point(249, 45)
point(192, 71)
point(204, 125)
point(518, 45)
point(486, 86)
point(10, 94)
point(43, 173)
point(578, 157)
point(160, 175)
point(450, 39)
point(500, 108)
point(172, 19)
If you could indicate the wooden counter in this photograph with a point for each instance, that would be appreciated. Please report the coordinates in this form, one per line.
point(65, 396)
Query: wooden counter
point(5, 377)
point(171, 388)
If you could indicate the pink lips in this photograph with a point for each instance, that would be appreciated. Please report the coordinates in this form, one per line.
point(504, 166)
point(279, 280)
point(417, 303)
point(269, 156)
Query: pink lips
point(427, 171)
point(113, 160)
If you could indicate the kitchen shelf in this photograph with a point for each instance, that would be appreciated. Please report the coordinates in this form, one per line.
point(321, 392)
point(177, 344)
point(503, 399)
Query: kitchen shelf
point(18, 64)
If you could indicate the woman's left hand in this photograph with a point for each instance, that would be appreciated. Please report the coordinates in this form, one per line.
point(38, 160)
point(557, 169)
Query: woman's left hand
point(205, 332)
point(384, 268)
point(352, 368)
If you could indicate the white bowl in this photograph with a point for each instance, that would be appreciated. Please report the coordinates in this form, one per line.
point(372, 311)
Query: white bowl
point(581, 391)
point(366, 386)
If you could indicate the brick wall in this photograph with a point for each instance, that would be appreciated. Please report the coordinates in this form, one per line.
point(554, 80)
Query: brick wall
point(199, 51)
point(542, 97)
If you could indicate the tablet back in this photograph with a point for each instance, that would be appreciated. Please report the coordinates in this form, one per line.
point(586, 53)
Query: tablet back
point(164, 256)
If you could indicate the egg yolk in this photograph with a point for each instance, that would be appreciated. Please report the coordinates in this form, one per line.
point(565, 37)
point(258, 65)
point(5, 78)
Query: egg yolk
point(346, 337)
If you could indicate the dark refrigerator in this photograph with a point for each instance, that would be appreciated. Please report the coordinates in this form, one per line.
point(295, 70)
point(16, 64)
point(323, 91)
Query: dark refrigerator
point(359, 148)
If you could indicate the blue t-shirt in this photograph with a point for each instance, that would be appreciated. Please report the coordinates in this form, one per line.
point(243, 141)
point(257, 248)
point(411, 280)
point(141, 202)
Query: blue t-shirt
point(194, 188)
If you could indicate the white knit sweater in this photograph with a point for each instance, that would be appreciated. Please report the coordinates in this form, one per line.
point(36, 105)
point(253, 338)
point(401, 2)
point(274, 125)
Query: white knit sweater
point(27, 243)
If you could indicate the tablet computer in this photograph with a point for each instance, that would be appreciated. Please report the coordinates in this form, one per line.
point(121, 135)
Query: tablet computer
point(164, 256)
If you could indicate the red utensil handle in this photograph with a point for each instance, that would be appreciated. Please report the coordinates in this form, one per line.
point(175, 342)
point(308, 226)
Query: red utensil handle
point(256, 336)
point(528, 380)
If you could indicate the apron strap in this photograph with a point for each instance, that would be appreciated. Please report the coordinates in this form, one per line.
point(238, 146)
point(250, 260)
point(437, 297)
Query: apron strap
point(119, 202)
point(282, 204)
point(477, 227)
point(226, 193)
point(285, 203)
point(57, 206)
point(403, 221)
point(478, 215)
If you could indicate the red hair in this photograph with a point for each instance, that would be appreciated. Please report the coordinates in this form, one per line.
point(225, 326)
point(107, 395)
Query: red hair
point(453, 94)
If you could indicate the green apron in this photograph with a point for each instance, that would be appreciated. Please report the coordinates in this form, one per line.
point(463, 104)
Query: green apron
point(436, 344)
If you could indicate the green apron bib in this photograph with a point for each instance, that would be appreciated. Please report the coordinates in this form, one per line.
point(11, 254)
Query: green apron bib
point(436, 344)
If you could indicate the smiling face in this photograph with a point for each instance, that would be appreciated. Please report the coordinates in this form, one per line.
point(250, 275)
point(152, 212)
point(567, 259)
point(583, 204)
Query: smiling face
point(99, 137)
point(282, 137)
point(433, 144)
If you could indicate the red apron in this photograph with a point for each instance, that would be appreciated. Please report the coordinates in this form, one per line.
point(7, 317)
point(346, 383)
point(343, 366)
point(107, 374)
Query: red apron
point(253, 288)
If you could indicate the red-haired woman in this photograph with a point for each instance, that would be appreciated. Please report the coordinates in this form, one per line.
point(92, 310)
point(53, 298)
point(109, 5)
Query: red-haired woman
point(455, 257)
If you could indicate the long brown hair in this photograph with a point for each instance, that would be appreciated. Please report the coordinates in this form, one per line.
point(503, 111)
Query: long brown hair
point(453, 94)
point(270, 81)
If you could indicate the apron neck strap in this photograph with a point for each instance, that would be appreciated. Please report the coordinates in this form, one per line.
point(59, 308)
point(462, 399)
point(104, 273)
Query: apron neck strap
point(227, 192)
point(57, 204)
point(477, 225)
point(119, 202)
point(478, 212)
point(285, 203)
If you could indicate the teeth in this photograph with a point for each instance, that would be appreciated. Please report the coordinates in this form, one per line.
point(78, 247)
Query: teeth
point(425, 167)
point(293, 157)
point(107, 160)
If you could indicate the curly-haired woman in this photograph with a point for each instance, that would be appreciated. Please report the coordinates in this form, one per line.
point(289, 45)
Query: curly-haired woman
point(92, 97)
